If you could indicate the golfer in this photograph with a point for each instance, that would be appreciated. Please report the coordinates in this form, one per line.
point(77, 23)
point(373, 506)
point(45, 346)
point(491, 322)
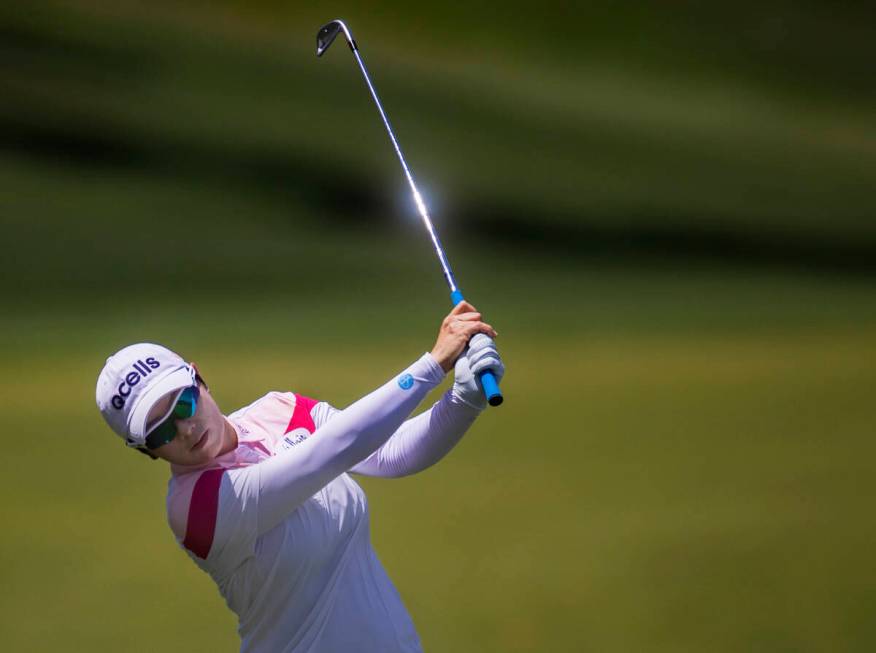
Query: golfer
point(261, 499)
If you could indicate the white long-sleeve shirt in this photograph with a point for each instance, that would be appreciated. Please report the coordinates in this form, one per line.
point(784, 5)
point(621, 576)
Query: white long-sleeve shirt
point(283, 529)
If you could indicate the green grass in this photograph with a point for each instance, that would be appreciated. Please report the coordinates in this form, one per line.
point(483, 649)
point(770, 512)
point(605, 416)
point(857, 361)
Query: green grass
point(684, 460)
point(655, 492)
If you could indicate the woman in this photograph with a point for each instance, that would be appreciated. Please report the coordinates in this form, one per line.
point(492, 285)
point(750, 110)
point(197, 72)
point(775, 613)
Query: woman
point(261, 499)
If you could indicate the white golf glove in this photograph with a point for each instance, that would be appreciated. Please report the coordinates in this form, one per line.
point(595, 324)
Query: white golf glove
point(480, 355)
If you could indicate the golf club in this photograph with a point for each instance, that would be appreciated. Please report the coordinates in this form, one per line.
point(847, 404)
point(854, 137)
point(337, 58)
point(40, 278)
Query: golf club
point(324, 39)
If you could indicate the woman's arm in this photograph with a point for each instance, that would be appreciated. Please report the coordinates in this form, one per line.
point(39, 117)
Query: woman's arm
point(288, 479)
point(424, 440)
point(421, 441)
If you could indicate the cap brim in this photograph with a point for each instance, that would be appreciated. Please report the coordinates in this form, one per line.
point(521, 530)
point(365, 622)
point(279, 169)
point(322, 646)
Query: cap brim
point(178, 379)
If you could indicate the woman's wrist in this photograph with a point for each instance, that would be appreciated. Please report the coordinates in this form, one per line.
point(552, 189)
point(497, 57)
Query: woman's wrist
point(441, 359)
point(432, 369)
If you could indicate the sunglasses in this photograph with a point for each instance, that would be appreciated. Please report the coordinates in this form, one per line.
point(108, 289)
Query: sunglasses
point(185, 407)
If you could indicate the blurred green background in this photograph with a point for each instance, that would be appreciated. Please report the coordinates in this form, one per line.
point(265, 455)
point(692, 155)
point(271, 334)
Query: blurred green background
point(666, 209)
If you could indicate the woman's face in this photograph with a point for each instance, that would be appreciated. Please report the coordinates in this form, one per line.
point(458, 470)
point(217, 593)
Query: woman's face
point(199, 438)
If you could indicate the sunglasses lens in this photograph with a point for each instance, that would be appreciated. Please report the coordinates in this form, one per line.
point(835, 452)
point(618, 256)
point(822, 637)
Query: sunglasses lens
point(163, 433)
point(186, 405)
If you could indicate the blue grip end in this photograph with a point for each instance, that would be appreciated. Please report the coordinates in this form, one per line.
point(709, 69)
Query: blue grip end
point(491, 389)
point(456, 297)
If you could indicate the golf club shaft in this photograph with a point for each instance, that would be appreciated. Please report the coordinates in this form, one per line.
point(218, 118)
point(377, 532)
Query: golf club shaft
point(488, 380)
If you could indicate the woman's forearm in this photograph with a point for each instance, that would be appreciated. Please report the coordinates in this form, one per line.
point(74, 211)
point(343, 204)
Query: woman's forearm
point(421, 441)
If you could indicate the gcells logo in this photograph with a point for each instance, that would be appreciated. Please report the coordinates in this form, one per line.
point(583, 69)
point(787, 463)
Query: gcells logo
point(141, 371)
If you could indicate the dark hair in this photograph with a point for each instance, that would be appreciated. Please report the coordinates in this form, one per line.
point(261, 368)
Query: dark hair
point(200, 380)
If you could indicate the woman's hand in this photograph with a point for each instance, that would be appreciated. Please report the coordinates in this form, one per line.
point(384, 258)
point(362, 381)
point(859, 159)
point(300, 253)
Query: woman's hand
point(457, 328)
point(481, 355)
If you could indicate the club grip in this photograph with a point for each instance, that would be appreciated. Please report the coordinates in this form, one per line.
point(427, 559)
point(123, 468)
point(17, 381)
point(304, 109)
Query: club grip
point(488, 380)
point(491, 389)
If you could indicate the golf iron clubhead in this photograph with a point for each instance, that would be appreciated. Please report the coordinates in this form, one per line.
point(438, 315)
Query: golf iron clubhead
point(324, 38)
point(326, 35)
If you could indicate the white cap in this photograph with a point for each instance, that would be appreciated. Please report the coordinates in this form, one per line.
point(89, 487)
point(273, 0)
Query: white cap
point(132, 382)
